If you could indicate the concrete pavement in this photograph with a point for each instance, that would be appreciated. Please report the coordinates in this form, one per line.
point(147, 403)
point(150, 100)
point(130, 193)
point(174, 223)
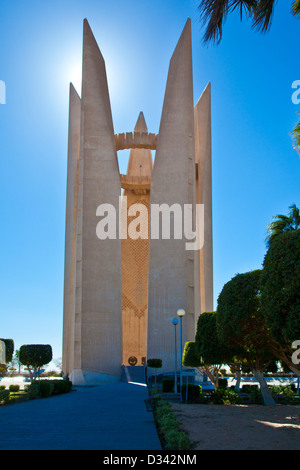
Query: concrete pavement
point(108, 417)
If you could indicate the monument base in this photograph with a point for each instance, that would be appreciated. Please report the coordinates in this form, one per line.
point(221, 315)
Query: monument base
point(85, 377)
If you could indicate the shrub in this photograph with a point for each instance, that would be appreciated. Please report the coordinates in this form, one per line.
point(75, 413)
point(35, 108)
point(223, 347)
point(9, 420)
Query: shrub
point(14, 388)
point(169, 428)
point(61, 386)
point(154, 363)
point(193, 392)
point(221, 396)
point(168, 385)
point(285, 391)
point(35, 355)
point(256, 396)
point(46, 388)
point(247, 388)
point(2, 387)
point(223, 383)
point(33, 390)
point(4, 396)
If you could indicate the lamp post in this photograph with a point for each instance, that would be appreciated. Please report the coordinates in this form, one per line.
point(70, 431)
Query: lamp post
point(175, 322)
point(180, 313)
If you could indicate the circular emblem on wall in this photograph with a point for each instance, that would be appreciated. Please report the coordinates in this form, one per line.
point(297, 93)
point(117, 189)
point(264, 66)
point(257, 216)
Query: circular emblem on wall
point(132, 360)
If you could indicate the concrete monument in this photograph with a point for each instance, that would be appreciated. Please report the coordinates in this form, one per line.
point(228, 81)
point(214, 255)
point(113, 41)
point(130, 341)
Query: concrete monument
point(122, 288)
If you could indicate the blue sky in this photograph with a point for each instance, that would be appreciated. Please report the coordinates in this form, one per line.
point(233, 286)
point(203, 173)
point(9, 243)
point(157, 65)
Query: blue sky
point(255, 168)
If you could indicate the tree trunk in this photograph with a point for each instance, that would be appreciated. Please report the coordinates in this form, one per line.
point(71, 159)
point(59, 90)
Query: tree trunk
point(238, 380)
point(267, 397)
point(217, 378)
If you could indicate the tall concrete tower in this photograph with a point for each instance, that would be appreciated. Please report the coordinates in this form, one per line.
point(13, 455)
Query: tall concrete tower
point(121, 292)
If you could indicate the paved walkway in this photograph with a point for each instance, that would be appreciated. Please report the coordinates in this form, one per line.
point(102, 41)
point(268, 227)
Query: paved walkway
point(108, 417)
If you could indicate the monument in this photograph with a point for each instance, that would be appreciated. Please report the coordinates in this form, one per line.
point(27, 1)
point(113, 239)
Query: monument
point(124, 283)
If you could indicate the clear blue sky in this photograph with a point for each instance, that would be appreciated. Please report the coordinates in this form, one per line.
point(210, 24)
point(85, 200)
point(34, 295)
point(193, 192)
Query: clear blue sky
point(255, 169)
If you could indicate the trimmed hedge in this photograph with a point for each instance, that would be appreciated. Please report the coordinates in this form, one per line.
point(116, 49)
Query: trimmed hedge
point(46, 388)
point(168, 385)
point(154, 363)
point(14, 388)
point(4, 396)
point(61, 386)
point(33, 390)
point(193, 392)
point(2, 387)
point(168, 428)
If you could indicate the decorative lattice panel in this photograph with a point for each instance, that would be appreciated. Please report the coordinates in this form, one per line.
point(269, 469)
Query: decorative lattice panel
point(135, 256)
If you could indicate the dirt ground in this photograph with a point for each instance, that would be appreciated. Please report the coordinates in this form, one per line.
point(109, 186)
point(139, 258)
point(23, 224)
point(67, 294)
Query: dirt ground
point(240, 427)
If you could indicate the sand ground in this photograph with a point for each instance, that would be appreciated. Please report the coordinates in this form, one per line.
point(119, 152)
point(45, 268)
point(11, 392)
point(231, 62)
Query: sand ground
point(240, 427)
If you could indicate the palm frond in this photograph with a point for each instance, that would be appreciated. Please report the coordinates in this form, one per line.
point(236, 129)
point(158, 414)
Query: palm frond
point(263, 15)
point(296, 8)
point(283, 223)
point(213, 14)
point(296, 135)
point(295, 216)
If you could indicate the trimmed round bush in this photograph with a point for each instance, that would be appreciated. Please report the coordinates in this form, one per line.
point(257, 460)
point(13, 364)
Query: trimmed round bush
point(14, 388)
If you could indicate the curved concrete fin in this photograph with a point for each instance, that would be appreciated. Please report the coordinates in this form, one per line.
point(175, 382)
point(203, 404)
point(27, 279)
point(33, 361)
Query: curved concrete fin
point(99, 279)
point(171, 273)
point(202, 118)
point(176, 125)
point(70, 230)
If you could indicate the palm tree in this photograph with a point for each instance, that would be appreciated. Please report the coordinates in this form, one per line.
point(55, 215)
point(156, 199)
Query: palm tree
point(214, 12)
point(283, 223)
point(296, 132)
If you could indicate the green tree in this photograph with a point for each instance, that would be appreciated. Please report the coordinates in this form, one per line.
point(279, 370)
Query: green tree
point(213, 353)
point(17, 360)
point(241, 325)
point(280, 294)
point(34, 357)
point(192, 358)
point(283, 223)
point(213, 14)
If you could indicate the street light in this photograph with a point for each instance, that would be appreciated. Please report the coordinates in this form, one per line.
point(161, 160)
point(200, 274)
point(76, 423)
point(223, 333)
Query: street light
point(175, 322)
point(180, 313)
